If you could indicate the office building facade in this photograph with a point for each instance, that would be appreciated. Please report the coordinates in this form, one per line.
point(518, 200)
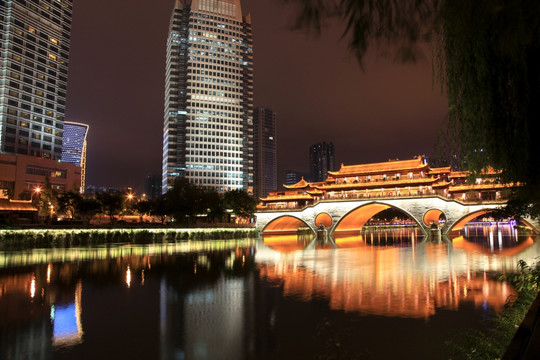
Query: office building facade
point(22, 174)
point(152, 186)
point(292, 177)
point(74, 147)
point(321, 160)
point(208, 120)
point(264, 126)
point(34, 68)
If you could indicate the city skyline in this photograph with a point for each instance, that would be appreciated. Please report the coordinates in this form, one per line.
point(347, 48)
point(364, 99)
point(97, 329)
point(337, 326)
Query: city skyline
point(314, 85)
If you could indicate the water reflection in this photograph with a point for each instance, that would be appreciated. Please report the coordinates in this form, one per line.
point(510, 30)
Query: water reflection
point(42, 307)
point(233, 300)
point(399, 273)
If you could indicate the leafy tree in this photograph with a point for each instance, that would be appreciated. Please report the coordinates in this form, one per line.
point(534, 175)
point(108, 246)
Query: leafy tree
point(111, 204)
point(87, 208)
point(240, 203)
point(68, 202)
point(160, 208)
point(214, 205)
point(486, 55)
point(185, 201)
point(47, 200)
point(144, 207)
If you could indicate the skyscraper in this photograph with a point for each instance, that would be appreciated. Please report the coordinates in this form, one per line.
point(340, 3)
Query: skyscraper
point(74, 147)
point(321, 160)
point(208, 120)
point(264, 125)
point(33, 73)
point(152, 186)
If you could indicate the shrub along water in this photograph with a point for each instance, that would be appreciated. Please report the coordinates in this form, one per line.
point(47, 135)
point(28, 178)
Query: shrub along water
point(493, 342)
point(77, 237)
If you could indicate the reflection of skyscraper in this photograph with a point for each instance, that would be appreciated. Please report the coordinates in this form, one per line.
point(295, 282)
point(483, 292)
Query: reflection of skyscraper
point(34, 60)
point(321, 160)
point(74, 147)
point(67, 325)
point(264, 125)
point(208, 124)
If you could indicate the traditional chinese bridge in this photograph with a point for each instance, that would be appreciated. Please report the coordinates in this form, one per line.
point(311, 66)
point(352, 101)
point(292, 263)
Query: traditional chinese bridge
point(348, 198)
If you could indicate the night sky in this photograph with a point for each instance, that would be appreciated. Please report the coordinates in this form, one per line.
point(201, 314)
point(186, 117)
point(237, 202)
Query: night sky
point(117, 79)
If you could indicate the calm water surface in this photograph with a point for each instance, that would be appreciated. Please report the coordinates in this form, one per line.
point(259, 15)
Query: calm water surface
point(379, 295)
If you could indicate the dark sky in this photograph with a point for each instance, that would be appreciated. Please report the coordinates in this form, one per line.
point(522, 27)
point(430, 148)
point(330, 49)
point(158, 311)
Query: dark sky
point(116, 85)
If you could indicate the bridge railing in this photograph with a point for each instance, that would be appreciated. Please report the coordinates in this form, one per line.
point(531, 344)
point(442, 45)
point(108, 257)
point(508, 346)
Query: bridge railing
point(355, 197)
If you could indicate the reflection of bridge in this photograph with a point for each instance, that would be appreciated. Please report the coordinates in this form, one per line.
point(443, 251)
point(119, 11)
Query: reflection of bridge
point(346, 216)
point(391, 281)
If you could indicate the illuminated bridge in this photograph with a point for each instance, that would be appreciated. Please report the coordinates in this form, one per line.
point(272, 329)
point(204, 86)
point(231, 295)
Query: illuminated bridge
point(350, 197)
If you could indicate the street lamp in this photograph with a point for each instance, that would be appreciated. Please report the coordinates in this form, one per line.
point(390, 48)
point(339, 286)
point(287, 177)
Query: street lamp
point(37, 190)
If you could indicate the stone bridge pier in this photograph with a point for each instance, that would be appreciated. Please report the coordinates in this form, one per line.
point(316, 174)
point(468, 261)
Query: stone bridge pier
point(349, 216)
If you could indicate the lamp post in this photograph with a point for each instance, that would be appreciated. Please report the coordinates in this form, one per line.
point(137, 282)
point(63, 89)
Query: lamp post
point(37, 190)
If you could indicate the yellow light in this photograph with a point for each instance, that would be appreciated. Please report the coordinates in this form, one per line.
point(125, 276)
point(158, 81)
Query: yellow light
point(128, 277)
point(33, 288)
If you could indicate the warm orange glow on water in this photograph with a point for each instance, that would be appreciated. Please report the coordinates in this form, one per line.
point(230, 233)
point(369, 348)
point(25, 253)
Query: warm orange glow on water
point(462, 243)
point(376, 281)
point(287, 243)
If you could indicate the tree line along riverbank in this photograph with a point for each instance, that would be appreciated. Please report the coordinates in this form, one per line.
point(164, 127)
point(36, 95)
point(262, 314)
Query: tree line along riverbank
point(93, 236)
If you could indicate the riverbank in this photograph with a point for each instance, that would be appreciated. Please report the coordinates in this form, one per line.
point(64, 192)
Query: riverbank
point(94, 236)
point(501, 340)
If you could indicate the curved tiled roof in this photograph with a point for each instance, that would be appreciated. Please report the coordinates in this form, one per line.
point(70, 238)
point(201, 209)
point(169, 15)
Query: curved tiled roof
point(383, 167)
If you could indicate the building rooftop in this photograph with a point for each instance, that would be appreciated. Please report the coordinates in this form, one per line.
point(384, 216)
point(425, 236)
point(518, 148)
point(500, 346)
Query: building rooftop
point(383, 167)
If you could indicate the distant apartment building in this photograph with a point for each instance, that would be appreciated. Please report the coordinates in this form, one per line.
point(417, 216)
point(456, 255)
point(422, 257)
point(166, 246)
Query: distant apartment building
point(264, 140)
point(208, 117)
point(321, 160)
point(293, 177)
point(152, 186)
point(34, 62)
point(24, 173)
point(74, 147)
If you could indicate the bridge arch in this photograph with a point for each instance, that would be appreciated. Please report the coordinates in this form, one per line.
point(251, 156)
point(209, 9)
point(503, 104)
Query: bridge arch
point(355, 219)
point(460, 223)
point(284, 225)
point(433, 215)
point(323, 219)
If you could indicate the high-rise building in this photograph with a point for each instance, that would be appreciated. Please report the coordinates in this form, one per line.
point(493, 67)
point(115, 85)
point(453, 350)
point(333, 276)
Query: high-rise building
point(74, 147)
point(292, 177)
point(152, 186)
point(321, 160)
point(33, 73)
point(208, 122)
point(264, 126)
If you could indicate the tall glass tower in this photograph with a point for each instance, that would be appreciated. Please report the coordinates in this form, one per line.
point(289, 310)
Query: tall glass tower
point(208, 122)
point(74, 147)
point(321, 161)
point(34, 60)
point(264, 125)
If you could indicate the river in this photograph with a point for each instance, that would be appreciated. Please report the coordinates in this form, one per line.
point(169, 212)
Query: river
point(379, 295)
